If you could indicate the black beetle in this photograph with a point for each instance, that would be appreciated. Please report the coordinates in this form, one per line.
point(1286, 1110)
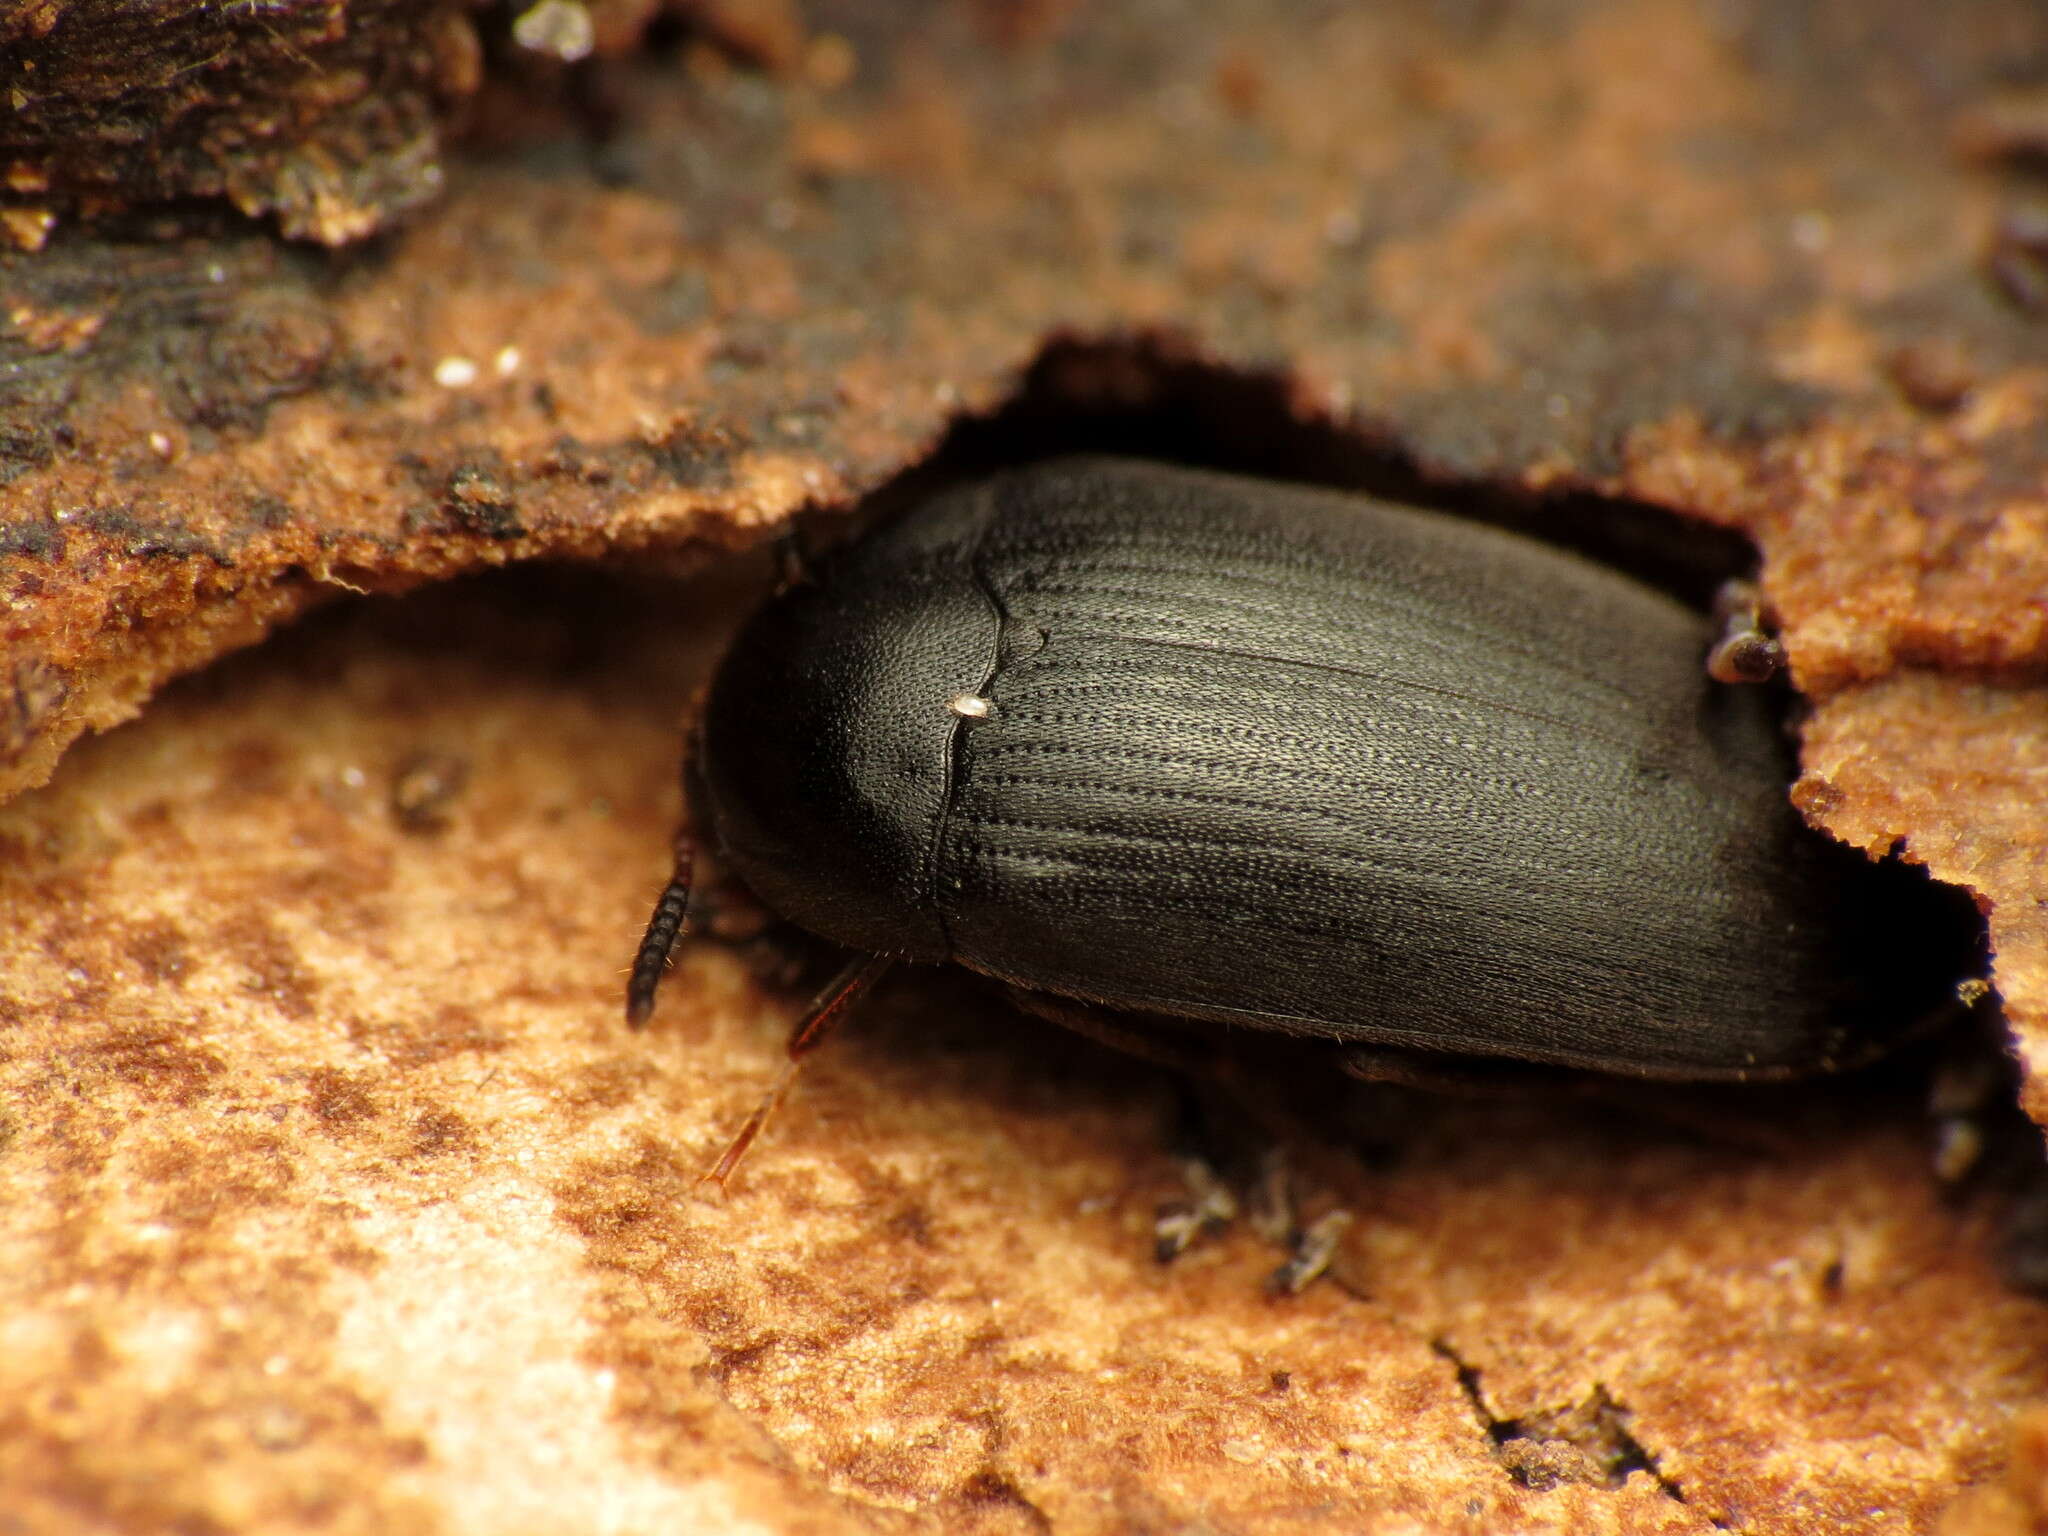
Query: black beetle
point(1194, 748)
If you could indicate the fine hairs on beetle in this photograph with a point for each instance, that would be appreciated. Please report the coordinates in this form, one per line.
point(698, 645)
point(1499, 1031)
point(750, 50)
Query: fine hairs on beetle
point(1169, 750)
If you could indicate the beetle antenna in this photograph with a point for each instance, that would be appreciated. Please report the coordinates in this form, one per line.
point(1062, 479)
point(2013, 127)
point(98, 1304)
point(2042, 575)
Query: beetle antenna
point(1744, 649)
point(827, 1009)
point(664, 929)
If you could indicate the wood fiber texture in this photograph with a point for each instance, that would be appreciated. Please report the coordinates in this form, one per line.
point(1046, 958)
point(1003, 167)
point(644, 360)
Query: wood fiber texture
point(329, 118)
point(337, 1198)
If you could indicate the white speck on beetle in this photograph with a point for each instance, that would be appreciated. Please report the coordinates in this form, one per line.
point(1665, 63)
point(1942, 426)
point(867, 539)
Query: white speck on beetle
point(455, 373)
point(971, 706)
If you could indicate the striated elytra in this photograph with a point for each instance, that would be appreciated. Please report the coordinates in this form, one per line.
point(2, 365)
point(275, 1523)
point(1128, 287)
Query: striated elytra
point(1195, 748)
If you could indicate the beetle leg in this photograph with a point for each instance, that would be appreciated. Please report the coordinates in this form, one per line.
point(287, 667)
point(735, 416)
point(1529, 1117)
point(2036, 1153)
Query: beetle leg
point(1209, 1167)
point(1268, 1193)
point(818, 1021)
point(1276, 1218)
point(1210, 1203)
point(1744, 649)
point(1314, 1247)
point(1214, 1097)
point(1210, 1207)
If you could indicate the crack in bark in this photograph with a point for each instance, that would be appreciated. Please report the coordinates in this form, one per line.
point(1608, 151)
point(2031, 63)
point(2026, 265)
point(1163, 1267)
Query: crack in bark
point(1587, 1442)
